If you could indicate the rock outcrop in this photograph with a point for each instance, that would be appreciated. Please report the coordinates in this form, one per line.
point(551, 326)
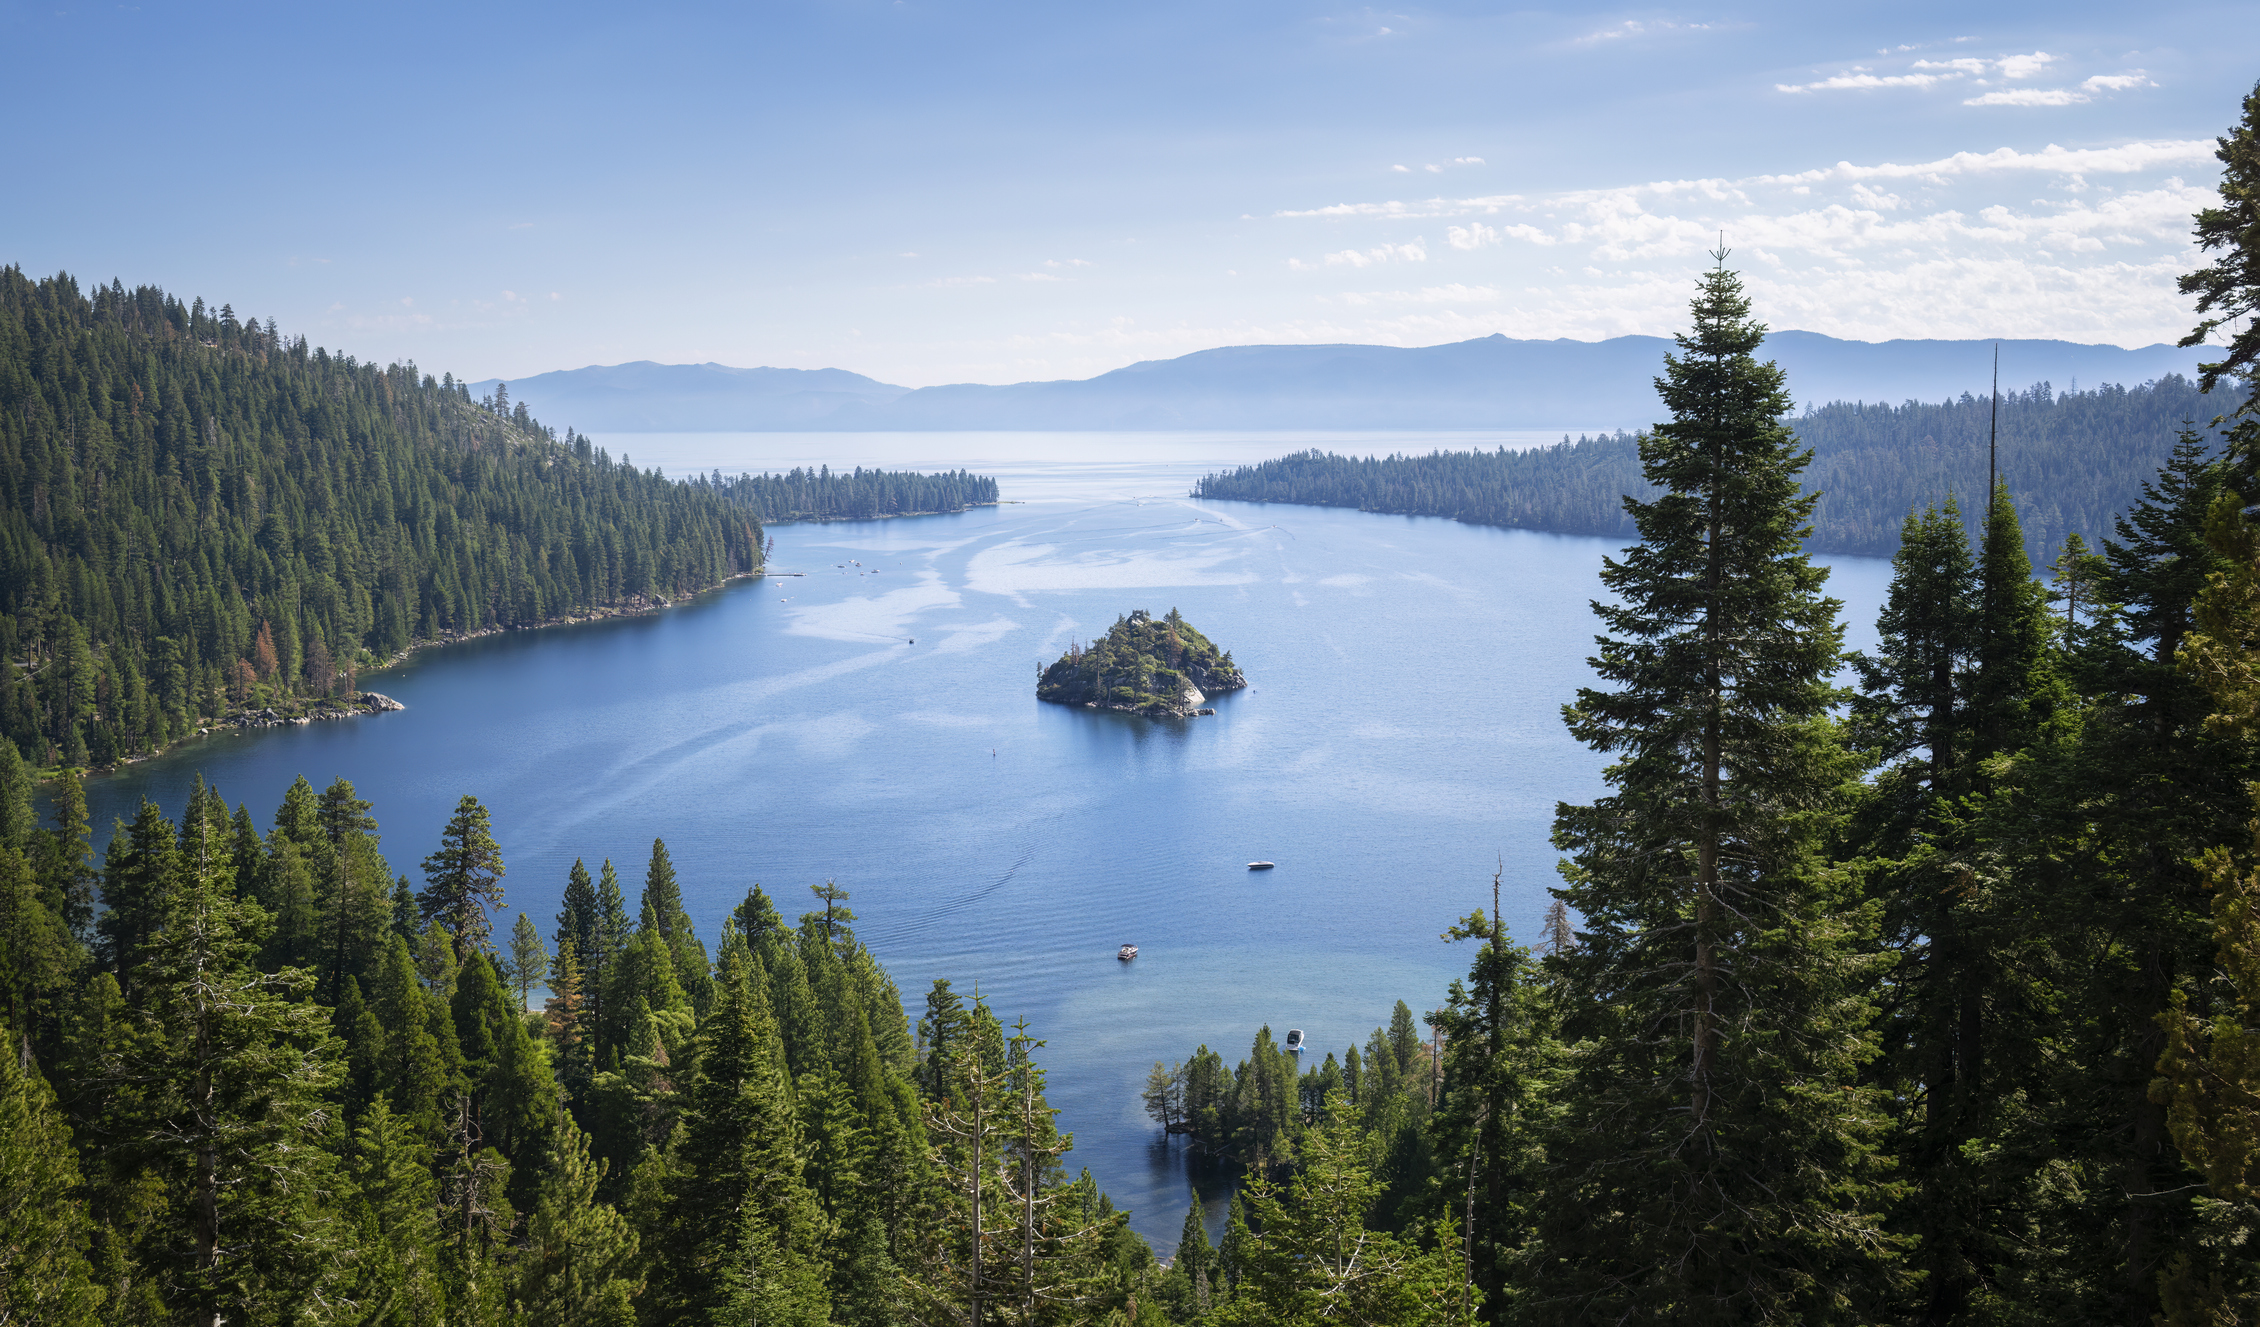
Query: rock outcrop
point(1160, 667)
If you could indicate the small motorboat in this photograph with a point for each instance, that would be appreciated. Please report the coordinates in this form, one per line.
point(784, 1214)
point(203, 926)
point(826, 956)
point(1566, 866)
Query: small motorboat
point(1295, 1040)
point(1126, 953)
point(1261, 866)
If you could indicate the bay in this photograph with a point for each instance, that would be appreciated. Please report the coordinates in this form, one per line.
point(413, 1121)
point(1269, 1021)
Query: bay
point(1399, 743)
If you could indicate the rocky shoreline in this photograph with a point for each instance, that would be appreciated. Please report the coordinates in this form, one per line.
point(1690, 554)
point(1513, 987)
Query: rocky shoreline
point(310, 709)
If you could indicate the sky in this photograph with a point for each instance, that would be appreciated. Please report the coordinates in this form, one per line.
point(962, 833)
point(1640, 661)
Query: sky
point(932, 191)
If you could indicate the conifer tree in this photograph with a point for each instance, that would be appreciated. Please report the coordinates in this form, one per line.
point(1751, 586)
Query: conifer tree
point(232, 1068)
point(579, 1265)
point(2111, 835)
point(1312, 1257)
point(44, 1230)
point(464, 878)
point(353, 877)
point(1501, 1060)
point(529, 960)
point(568, 1018)
point(742, 1230)
point(2228, 289)
point(393, 1256)
point(1717, 1160)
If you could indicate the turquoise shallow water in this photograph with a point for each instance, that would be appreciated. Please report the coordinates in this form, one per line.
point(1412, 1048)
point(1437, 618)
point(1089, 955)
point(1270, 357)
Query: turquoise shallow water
point(1400, 741)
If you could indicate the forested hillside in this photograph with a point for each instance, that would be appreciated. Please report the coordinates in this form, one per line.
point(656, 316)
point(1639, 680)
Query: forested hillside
point(851, 495)
point(2073, 461)
point(202, 515)
point(269, 1083)
point(1938, 1006)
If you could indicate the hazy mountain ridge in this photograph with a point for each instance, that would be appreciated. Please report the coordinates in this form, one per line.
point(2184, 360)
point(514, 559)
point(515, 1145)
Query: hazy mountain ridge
point(1490, 382)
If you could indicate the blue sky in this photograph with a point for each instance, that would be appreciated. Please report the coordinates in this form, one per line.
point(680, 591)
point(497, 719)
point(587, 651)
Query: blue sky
point(935, 192)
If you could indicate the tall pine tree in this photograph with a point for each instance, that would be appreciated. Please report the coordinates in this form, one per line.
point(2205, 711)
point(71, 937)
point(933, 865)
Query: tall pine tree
point(1718, 1163)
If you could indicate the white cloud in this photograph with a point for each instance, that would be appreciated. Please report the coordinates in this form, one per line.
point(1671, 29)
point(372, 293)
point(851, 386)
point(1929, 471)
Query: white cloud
point(948, 282)
point(1402, 170)
point(1415, 252)
point(1467, 161)
point(1964, 65)
point(2008, 242)
point(2117, 82)
point(1068, 262)
point(2025, 66)
point(1477, 235)
point(1633, 27)
point(1865, 80)
point(2028, 97)
point(1433, 169)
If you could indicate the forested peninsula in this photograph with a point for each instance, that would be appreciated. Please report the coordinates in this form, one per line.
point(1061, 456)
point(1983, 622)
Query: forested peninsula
point(204, 517)
point(2074, 461)
point(822, 494)
point(1160, 667)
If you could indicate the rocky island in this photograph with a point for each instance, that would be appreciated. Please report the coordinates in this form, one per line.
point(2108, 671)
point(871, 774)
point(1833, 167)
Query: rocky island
point(1144, 665)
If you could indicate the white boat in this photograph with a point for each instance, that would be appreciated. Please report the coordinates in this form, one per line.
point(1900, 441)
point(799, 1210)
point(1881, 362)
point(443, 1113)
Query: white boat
point(1261, 866)
point(1295, 1039)
point(1126, 953)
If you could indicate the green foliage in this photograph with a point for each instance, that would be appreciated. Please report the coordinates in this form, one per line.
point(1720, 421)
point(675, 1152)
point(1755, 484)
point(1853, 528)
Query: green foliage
point(2228, 289)
point(44, 1229)
point(857, 495)
point(1142, 664)
point(464, 878)
point(1313, 1258)
point(203, 516)
point(2073, 460)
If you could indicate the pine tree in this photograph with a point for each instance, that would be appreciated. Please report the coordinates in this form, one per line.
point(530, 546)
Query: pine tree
point(1501, 1063)
point(529, 961)
point(567, 1017)
point(837, 914)
point(1313, 1258)
point(233, 1067)
point(742, 1230)
point(44, 1275)
point(2117, 818)
point(579, 1265)
point(1195, 1258)
point(2229, 288)
point(394, 1255)
point(352, 900)
point(663, 910)
point(464, 878)
point(1717, 1157)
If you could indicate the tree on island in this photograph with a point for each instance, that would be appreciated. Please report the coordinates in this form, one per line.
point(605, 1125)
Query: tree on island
point(1144, 665)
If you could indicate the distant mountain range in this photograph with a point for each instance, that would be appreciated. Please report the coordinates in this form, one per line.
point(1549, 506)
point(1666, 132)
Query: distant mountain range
point(1491, 382)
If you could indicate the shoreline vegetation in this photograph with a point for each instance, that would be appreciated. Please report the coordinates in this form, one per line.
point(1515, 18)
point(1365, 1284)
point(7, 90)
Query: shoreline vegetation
point(207, 519)
point(2074, 461)
point(1158, 667)
point(824, 494)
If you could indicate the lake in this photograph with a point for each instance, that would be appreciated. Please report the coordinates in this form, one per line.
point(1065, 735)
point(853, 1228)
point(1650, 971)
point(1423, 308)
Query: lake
point(1399, 742)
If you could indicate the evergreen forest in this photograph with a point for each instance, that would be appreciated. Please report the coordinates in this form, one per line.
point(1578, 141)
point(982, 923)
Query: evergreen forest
point(2074, 462)
point(1144, 664)
point(854, 495)
point(1914, 986)
point(202, 516)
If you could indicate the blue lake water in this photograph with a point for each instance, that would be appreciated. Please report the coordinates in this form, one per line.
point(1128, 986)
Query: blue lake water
point(1399, 742)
